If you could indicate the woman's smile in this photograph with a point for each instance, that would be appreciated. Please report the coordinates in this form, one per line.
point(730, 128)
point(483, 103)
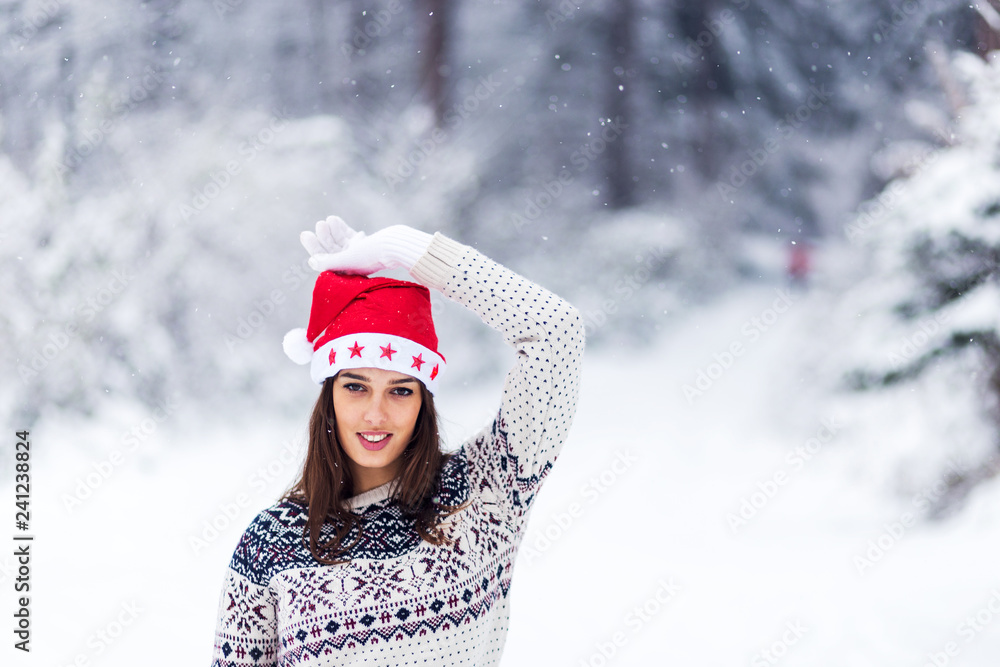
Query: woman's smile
point(374, 441)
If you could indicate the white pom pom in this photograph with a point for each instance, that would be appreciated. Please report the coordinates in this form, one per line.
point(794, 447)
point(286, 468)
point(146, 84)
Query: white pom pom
point(297, 346)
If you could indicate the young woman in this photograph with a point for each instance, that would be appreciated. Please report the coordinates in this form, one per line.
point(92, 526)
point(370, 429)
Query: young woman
point(387, 551)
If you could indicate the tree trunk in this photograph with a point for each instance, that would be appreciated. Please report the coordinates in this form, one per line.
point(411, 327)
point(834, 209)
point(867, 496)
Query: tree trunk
point(435, 62)
point(325, 87)
point(710, 79)
point(621, 188)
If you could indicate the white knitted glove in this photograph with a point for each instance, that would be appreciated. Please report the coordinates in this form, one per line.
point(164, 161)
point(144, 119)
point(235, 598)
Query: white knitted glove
point(337, 247)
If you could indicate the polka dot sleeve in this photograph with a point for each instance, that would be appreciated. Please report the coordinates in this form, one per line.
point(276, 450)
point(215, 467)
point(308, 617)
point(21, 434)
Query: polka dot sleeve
point(541, 390)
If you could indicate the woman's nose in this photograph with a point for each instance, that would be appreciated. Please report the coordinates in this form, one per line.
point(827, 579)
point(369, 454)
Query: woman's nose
point(375, 411)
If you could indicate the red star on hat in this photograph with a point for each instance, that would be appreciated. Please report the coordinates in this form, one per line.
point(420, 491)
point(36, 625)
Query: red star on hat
point(434, 372)
point(356, 350)
point(333, 357)
point(418, 361)
point(387, 351)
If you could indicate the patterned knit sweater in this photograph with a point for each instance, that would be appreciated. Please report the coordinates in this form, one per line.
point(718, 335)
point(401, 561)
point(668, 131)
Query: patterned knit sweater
point(401, 600)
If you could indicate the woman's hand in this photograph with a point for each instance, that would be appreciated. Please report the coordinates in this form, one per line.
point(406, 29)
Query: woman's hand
point(335, 246)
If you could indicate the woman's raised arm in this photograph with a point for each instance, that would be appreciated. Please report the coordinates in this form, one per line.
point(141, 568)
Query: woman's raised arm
point(540, 393)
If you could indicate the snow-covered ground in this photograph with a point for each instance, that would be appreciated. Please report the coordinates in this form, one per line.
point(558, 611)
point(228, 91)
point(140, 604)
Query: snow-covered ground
point(757, 523)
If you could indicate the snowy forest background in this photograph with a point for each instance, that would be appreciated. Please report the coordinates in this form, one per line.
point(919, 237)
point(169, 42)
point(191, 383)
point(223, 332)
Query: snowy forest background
point(658, 164)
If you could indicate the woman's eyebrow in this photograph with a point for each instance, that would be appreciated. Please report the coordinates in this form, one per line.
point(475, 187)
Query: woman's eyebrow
point(354, 376)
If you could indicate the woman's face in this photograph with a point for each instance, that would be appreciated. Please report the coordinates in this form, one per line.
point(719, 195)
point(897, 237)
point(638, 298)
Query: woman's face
point(376, 412)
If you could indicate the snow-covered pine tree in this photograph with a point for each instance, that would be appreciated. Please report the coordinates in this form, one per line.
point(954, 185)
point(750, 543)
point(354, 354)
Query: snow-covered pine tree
point(931, 301)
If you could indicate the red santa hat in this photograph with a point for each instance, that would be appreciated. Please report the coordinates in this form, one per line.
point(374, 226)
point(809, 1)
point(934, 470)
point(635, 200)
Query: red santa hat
point(361, 322)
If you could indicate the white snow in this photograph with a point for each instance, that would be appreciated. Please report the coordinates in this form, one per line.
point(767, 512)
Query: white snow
point(630, 549)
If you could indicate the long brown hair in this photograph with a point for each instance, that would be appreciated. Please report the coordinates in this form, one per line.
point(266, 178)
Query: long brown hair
point(326, 481)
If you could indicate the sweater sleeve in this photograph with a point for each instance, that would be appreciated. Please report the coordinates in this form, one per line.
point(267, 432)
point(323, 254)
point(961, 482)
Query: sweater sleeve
point(246, 633)
point(515, 453)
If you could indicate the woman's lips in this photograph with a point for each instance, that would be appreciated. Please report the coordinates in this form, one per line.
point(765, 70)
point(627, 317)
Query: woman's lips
point(374, 446)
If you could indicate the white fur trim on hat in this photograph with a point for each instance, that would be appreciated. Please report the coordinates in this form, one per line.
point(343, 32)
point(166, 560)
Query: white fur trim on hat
point(297, 346)
point(374, 350)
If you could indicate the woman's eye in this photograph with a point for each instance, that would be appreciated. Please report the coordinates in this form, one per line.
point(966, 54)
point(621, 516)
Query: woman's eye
point(353, 387)
point(402, 391)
